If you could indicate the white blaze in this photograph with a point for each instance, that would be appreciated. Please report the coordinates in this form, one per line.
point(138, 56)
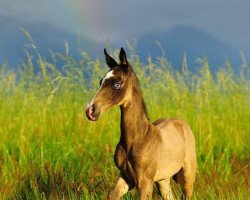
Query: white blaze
point(108, 75)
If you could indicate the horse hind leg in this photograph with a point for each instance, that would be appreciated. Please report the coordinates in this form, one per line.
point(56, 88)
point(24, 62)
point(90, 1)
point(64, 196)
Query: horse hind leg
point(185, 177)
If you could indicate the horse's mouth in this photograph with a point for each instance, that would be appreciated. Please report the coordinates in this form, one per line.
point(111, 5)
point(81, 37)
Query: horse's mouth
point(91, 113)
point(94, 117)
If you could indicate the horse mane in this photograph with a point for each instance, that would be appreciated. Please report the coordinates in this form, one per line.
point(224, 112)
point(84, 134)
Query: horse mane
point(143, 106)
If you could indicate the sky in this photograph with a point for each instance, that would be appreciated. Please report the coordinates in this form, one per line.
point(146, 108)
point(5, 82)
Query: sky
point(115, 20)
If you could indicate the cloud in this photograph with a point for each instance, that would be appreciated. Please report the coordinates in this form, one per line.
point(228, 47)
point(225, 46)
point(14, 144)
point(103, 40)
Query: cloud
point(36, 11)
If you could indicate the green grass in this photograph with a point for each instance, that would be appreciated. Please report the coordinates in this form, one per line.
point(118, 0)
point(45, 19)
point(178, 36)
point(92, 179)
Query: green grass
point(49, 150)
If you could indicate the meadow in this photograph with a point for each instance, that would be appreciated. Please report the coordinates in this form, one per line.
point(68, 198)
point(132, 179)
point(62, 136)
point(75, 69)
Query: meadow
point(49, 150)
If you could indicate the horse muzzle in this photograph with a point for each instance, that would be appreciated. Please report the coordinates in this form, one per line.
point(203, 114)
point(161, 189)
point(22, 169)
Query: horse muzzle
point(92, 113)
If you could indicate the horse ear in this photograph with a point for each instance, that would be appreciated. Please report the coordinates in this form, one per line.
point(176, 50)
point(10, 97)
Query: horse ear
point(123, 58)
point(109, 60)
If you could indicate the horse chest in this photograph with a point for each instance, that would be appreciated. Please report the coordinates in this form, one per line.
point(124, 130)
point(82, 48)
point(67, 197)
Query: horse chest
point(123, 157)
point(120, 155)
point(123, 161)
point(133, 163)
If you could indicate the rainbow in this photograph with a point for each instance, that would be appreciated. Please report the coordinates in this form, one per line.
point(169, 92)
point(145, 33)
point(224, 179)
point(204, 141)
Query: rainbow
point(83, 14)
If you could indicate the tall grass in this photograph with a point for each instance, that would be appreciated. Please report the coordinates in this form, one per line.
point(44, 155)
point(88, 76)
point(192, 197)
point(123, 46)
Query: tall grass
point(49, 150)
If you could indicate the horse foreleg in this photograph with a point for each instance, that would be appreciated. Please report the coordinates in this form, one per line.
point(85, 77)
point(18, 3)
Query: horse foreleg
point(145, 189)
point(120, 189)
point(164, 188)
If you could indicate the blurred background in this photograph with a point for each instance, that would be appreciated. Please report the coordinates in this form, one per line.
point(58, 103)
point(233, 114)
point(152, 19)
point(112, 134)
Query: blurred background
point(219, 30)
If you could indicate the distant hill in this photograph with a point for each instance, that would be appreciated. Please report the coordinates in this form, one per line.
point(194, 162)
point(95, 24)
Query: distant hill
point(195, 43)
point(45, 37)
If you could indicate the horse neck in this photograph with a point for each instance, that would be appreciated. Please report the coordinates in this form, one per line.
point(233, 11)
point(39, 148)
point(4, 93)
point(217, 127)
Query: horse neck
point(134, 120)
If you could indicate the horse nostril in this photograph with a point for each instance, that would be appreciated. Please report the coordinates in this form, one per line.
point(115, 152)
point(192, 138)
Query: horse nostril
point(90, 109)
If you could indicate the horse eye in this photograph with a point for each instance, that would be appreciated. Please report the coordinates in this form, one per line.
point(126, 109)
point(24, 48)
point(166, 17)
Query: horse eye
point(116, 86)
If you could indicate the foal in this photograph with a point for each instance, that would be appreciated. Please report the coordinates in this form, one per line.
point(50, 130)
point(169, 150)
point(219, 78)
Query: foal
point(147, 152)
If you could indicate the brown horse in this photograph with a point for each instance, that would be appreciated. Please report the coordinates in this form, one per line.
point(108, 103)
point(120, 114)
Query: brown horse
point(147, 153)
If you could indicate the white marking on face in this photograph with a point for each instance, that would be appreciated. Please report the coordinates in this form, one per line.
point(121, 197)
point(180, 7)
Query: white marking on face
point(107, 76)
